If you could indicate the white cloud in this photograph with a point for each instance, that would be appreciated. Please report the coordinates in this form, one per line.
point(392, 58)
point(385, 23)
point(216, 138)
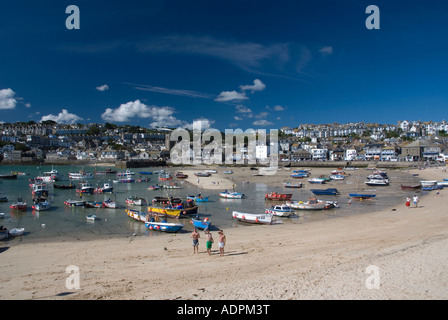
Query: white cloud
point(204, 124)
point(230, 96)
point(161, 116)
point(103, 88)
point(234, 95)
point(63, 117)
point(7, 100)
point(262, 123)
point(237, 118)
point(325, 51)
point(257, 86)
point(242, 109)
point(28, 105)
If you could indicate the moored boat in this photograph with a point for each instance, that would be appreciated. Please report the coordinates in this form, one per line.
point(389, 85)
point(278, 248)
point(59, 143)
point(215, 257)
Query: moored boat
point(19, 205)
point(136, 201)
point(377, 182)
point(164, 226)
point(362, 195)
point(278, 196)
point(74, 203)
point(281, 210)
point(292, 185)
point(313, 204)
point(231, 195)
point(328, 191)
point(202, 174)
point(260, 218)
point(175, 211)
point(8, 176)
point(42, 205)
point(316, 180)
point(110, 204)
point(16, 232)
point(64, 186)
point(197, 198)
point(203, 224)
point(137, 215)
point(412, 187)
point(181, 175)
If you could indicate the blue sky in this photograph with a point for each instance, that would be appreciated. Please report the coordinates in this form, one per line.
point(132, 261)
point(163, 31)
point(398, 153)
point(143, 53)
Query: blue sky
point(232, 64)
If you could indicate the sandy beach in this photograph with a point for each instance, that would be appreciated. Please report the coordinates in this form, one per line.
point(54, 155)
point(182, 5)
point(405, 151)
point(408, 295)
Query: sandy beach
point(397, 253)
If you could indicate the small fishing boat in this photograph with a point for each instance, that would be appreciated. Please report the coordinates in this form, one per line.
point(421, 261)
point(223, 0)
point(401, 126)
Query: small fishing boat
point(281, 210)
point(377, 182)
point(154, 187)
point(42, 205)
point(167, 200)
point(137, 215)
point(125, 173)
point(228, 172)
point(181, 175)
point(4, 199)
point(430, 188)
point(145, 172)
point(261, 218)
point(171, 186)
point(159, 171)
point(299, 175)
point(337, 177)
point(274, 196)
point(19, 205)
point(40, 189)
point(74, 203)
point(362, 195)
point(328, 191)
point(411, 187)
point(425, 183)
point(231, 195)
point(292, 185)
point(91, 217)
point(197, 198)
point(16, 232)
point(110, 204)
point(164, 226)
point(165, 177)
point(106, 188)
point(316, 180)
point(93, 204)
point(175, 211)
point(203, 224)
point(313, 204)
point(85, 188)
point(80, 175)
point(136, 201)
point(202, 174)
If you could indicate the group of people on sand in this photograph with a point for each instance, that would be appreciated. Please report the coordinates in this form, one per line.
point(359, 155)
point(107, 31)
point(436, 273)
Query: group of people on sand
point(195, 235)
point(414, 200)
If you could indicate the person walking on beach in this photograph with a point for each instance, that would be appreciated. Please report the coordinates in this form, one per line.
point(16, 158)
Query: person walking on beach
point(408, 201)
point(415, 201)
point(222, 242)
point(195, 236)
point(209, 241)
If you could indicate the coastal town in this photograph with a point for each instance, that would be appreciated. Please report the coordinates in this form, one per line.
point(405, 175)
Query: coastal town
point(50, 142)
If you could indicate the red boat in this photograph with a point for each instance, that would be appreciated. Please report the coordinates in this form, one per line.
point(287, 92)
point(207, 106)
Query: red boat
point(18, 206)
point(278, 196)
point(181, 175)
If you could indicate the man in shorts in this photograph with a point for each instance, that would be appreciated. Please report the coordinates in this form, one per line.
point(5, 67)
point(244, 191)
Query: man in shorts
point(195, 236)
point(222, 242)
point(209, 241)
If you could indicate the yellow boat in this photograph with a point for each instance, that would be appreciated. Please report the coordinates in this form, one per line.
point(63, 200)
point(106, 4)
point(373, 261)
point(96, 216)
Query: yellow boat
point(175, 212)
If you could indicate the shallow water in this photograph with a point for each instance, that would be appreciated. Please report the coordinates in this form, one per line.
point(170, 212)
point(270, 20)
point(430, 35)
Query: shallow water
point(62, 221)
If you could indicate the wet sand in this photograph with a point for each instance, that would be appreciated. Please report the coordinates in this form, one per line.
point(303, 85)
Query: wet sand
point(329, 259)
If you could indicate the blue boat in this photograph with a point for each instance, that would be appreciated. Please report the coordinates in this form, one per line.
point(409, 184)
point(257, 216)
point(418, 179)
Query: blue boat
point(164, 226)
point(429, 188)
point(197, 198)
point(362, 195)
point(145, 172)
point(201, 224)
point(328, 191)
point(299, 175)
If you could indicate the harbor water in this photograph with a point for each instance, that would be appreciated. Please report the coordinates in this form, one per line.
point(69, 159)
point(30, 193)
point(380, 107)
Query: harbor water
point(62, 221)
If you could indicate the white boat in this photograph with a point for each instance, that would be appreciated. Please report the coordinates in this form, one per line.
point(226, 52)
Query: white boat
point(337, 177)
point(80, 175)
point(91, 217)
point(85, 188)
point(377, 182)
point(427, 183)
point(54, 174)
point(110, 204)
point(312, 204)
point(136, 201)
point(231, 195)
point(262, 218)
point(228, 172)
point(316, 180)
point(16, 231)
point(280, 210)
point(41, 206)
point(106, 188)
point(126, 173)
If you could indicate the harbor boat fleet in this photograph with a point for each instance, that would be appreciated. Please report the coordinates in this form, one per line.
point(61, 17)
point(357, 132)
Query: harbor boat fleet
point(155, 214)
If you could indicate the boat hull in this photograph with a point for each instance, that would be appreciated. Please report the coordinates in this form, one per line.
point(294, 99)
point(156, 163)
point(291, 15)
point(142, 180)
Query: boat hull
point(164, 226)
point(252, 217)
